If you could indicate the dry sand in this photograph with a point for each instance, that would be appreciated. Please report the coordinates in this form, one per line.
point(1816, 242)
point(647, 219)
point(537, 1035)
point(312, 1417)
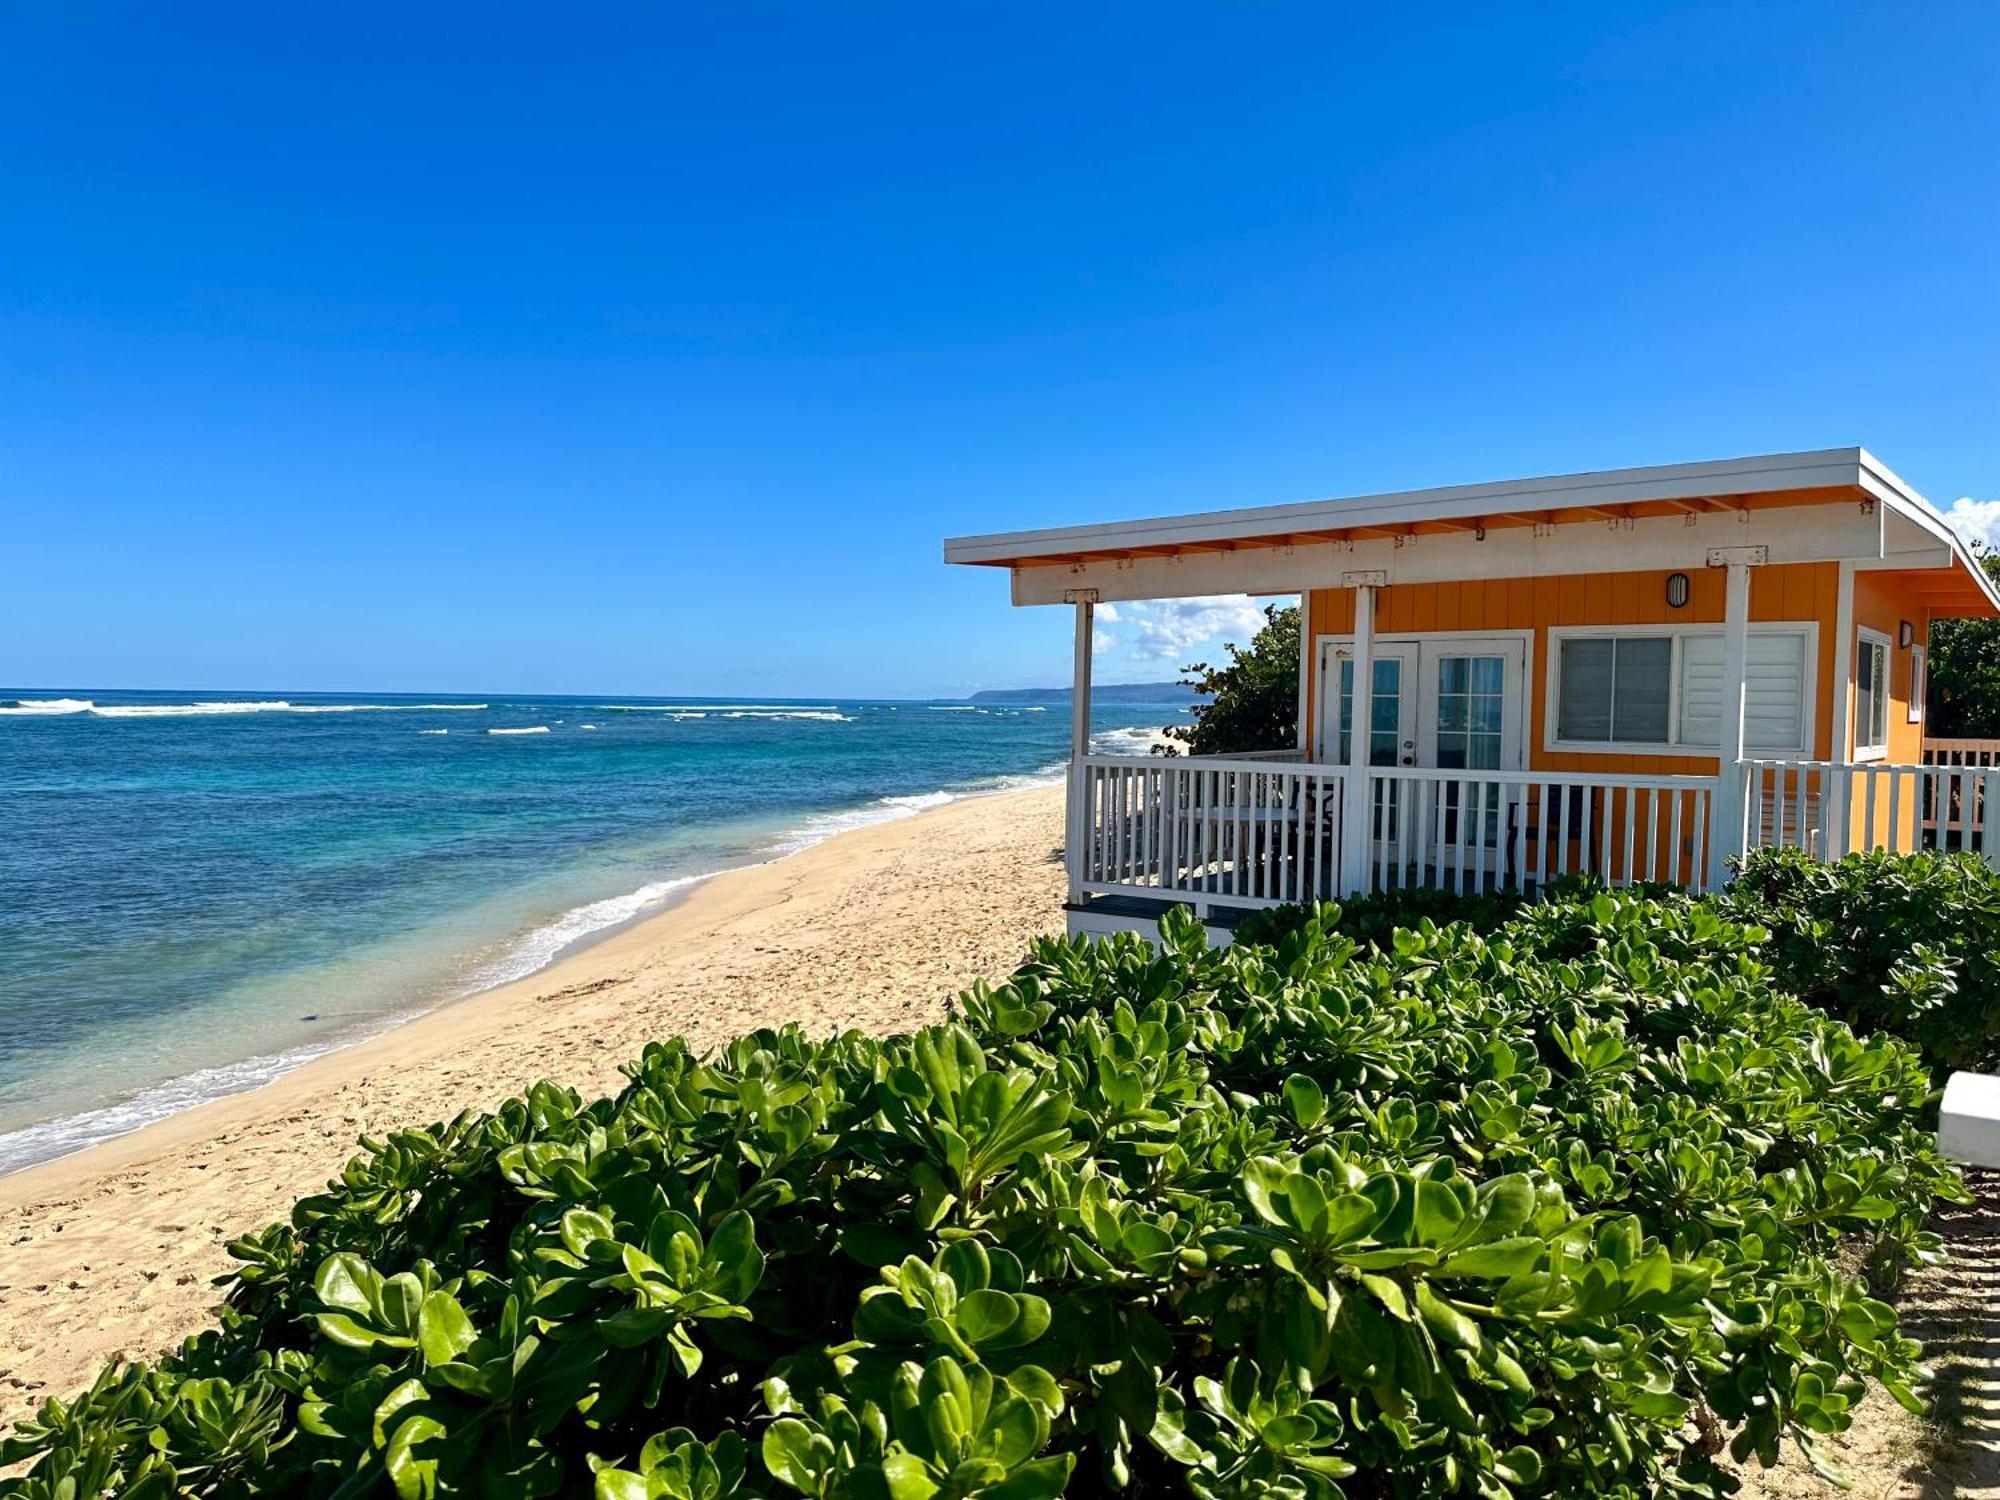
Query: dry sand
point(113, 1250)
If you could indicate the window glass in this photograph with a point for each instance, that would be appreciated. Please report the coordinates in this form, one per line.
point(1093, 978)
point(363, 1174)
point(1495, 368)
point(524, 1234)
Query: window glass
point(1584, 693)
point(1871, 694)
point(1615, 689)
point(1642, 689)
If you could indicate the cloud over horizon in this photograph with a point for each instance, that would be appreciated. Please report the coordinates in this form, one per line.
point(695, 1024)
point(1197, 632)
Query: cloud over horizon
point(1976, 520)
point(1168, 630)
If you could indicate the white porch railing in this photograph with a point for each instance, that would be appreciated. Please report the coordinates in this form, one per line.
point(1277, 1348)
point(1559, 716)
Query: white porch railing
point(1471, 831)
point(1244, 831)
point(1831, 810)
point(1226, 832)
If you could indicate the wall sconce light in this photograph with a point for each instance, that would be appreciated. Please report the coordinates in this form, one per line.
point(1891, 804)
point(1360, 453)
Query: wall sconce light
point(1906, 634)
point(1677, 590)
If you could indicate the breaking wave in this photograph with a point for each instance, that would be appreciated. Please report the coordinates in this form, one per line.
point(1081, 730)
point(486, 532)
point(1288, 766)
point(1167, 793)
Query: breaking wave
point(218, 706)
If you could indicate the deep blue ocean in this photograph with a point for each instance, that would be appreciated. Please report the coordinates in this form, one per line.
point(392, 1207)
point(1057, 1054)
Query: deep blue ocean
point(199, 891)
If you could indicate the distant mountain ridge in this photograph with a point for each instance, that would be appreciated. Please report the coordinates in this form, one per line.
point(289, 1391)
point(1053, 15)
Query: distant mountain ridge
point(1104, 692)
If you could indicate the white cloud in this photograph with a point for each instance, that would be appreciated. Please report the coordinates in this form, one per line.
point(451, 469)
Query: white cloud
point(1976, 520)
point(1102, 641)
point(1169, 630)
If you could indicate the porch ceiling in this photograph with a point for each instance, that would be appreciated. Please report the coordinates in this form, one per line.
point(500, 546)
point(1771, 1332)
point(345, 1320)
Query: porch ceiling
point(1620, 498)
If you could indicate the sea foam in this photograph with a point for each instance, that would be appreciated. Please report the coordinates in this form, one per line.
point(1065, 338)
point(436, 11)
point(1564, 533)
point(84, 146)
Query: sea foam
point(46, 706)
point(541, 947)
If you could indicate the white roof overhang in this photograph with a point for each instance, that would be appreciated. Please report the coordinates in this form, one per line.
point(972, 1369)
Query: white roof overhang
point(1827, 505)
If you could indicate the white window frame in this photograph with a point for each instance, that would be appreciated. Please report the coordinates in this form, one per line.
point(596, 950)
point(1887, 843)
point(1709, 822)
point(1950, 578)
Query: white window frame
point(1920, 682)
point(1678, 631)
point(1865, 637)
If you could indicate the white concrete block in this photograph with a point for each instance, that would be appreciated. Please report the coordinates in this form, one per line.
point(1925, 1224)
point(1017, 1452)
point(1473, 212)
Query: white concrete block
point(1969, 1119)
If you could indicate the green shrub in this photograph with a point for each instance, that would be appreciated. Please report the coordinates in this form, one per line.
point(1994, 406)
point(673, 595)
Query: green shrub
point(1903, 943)
point(1442, 1217)
point(1375, 918)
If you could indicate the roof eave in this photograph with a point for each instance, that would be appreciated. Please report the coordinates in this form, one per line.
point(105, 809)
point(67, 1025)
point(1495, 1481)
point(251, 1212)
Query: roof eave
point(1765, 473)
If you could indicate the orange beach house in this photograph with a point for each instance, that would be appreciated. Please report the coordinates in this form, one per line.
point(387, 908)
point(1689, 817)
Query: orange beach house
point(1636, 674)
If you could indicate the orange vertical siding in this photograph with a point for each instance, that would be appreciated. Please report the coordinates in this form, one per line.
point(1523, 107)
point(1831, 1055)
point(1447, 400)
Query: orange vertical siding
point(1786, 592)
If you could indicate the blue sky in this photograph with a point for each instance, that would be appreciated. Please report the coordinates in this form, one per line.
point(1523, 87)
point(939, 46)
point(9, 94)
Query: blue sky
point(655, 348)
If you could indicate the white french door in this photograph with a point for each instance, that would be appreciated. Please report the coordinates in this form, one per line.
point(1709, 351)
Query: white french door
point(1392, 735)
point(1474, 707)
point(1452, 704)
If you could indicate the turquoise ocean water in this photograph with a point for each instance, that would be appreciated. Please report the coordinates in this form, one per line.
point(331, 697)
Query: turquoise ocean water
point(199, 891)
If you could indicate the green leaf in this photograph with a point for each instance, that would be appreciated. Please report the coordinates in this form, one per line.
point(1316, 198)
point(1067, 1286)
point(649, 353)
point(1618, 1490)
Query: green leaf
point(794, 1454)
point(1496, 1260)
point(1306, 1101)
point(443, 1330)
point(908, 1477)
point(413, 1473)
point(347, 1282)
point(1389, 1292)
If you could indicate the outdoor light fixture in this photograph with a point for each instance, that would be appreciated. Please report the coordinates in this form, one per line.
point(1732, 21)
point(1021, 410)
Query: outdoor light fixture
point(1906, 634)
point(1677, 590)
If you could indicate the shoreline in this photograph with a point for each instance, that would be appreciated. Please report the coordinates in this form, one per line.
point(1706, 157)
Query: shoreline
point(264, 1070)
point(112, 1249)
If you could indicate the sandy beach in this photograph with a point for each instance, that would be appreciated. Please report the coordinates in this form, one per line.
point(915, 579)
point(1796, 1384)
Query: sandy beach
point(112, 1250)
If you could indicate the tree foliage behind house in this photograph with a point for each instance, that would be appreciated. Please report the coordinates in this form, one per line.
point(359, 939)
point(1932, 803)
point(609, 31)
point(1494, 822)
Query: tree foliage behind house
point(1252, 703)
point(1964, 690)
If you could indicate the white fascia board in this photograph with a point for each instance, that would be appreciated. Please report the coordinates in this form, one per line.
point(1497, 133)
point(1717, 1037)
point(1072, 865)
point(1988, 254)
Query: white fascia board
point(1823, 468)
point(1882, 482)
point(1816, 533)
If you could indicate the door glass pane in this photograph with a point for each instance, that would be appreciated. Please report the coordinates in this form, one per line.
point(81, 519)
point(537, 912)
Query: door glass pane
point(1471, 710)
point(1385, 715)
point(1471, 707)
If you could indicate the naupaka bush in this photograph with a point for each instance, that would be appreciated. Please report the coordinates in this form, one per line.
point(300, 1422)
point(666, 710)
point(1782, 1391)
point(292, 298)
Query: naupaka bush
point(1567, 1209)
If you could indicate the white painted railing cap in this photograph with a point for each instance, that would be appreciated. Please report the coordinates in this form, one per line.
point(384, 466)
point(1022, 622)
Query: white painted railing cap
point(1969, 1119)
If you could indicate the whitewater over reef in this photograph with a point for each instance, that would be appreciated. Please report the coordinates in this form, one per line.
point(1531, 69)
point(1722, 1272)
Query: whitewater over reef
point(214, 888)
point(218, 706)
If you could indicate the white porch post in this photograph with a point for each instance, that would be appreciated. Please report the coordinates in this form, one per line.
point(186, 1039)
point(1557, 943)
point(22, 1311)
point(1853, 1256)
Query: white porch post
point(1354, 872)
point(1078, 837)
point(1841, 752)
point(1727, 836)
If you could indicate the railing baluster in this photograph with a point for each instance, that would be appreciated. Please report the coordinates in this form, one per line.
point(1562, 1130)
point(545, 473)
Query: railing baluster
point(1988, 780)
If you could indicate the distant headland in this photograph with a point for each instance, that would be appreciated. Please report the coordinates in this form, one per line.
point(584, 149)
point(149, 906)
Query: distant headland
point(1103, 692)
